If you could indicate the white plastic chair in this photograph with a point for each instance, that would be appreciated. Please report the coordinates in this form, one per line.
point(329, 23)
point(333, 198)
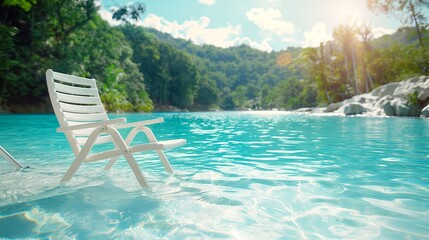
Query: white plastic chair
point(83, 120)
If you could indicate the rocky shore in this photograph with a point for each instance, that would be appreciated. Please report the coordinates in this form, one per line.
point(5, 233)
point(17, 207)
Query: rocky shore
point(409, 98)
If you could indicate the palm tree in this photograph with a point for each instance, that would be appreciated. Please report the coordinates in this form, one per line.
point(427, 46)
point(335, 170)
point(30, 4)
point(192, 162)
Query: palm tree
point(345, 35)
point(314, 60)
point(365, 32)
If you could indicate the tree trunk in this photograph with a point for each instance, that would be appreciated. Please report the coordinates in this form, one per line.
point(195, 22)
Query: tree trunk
point(355, 73)
point(366, 82)
point(323, 76)
point(328, 97)
point(347, 68)
point(371, 82)
point(364, 73)
point(413, 12)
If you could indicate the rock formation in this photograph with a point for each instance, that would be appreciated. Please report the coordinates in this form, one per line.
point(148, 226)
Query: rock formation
point(409, 98)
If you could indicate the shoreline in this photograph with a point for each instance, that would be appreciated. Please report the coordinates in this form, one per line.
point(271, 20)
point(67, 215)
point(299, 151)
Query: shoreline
point(408, 98)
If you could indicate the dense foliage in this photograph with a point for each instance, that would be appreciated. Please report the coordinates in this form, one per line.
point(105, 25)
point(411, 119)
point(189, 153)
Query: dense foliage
point(69, 37)
point(139, 69)
point(239, 77)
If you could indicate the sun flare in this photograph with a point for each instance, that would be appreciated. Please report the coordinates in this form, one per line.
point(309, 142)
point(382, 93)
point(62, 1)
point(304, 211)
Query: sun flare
point(348, 11)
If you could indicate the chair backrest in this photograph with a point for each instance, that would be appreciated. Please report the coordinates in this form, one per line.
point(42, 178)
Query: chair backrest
point(75, 100)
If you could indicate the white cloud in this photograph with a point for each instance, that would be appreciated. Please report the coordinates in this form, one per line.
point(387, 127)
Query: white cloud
point(199, 31)
point(318, 34)
point(270, 20)
point(107, 15)
point(263, 46)
point(207, 2)
point(289, 40)
point(380, 31)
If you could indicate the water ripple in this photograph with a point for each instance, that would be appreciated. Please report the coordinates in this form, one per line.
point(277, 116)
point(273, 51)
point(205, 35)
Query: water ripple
point(242, 175)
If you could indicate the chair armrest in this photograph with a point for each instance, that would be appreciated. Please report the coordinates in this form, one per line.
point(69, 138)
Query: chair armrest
point(92, 125)
point(140, 123)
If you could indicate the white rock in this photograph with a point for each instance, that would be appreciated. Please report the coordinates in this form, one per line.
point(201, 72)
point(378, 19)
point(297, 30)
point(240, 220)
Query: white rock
point(319, 110)
point(404, 109)
point(353, 108)
point(419, 85)
point(305, 110)
point(333, 107)
point(388, 108)
point(385, 90)
point(363, 98)
point(391, 99)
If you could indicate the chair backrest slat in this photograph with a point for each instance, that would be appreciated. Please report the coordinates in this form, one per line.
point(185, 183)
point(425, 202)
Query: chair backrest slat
point(84, 117)
point(73, 123)
point(73, 79)
point(75, 100)
point(82, 91)
point(81, 108)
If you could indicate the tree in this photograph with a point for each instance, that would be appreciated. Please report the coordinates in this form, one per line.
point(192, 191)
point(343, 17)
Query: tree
point(184, 79)
point(239, 96)
point(23, 4)
point(129, 11)
point(293, 94)
point(39, 31)
point(345, 35)
point(113, 93)
point(365, 32)
point(315, 62)
point(7, 47)
point(267, 96)
point(170, 74)
point(208, 93)
point(412, 12)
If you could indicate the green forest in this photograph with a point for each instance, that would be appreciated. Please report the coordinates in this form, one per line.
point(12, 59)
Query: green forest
point(142, 70)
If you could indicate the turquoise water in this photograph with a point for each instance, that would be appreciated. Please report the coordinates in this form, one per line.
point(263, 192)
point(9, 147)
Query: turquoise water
point(242, 175)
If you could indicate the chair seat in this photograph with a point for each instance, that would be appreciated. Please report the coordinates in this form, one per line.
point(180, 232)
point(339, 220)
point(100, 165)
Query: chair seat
point(167, 144)
point(100, 140)
point(161, 145)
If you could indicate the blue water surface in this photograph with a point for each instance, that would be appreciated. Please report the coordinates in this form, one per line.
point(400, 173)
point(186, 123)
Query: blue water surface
point(242, 175)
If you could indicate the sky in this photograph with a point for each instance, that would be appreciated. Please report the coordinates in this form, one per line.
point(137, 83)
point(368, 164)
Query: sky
point(267, 25)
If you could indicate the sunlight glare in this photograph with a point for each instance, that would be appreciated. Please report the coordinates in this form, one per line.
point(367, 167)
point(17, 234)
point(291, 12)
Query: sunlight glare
point(284, 59)
point(348, 11)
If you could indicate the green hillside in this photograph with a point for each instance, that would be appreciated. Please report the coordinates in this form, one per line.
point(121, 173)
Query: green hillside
point(404, 36)
point(236, 75)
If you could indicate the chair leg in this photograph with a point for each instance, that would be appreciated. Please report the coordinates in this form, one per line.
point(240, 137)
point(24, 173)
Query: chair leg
point(81, 156)
point(111, 163)
point(72, 170)
point(136, 170)
point(119, 142)
point(164, 161)
point(151, 137)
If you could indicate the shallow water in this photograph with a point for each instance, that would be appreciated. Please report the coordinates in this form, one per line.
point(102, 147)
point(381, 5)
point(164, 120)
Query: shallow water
point(242, 175)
